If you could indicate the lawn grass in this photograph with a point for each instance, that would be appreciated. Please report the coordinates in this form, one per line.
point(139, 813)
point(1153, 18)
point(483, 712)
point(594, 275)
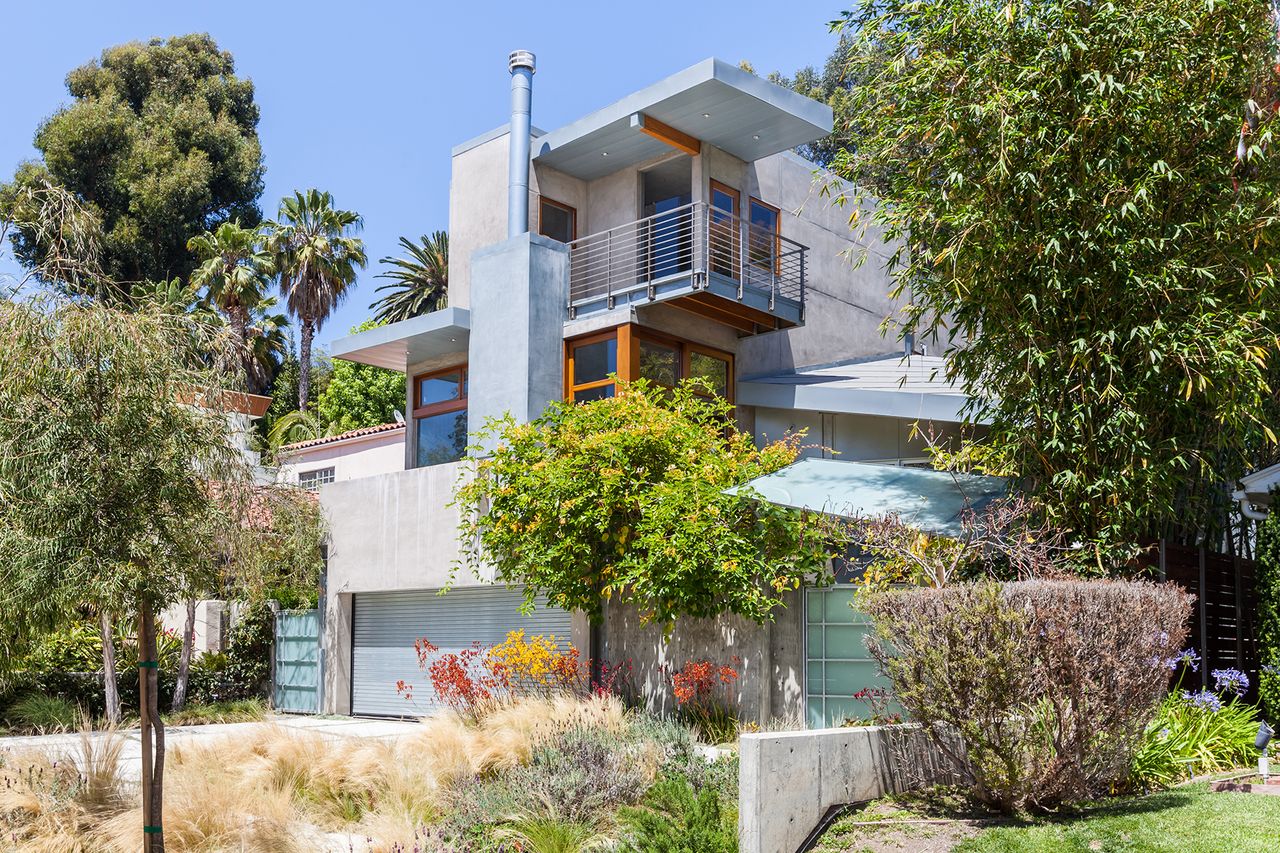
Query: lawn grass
point(1187, 820)
point(237, 711)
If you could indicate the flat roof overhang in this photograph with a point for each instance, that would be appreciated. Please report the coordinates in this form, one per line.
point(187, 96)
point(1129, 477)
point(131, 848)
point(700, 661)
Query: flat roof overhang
point(713, 102)
point(398, 345)
point(888, 387)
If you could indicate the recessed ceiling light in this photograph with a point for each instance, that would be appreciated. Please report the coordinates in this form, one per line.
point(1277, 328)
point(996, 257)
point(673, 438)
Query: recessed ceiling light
point(604, 153)
point(756, 137)
point(706, 115)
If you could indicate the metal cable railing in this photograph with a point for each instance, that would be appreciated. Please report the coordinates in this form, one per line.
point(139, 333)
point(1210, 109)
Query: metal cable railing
point(694, 241)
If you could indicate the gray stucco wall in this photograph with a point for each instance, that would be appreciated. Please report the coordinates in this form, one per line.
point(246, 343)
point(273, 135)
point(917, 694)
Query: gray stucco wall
point(844, 305)
point(771, 665)
point(519, 294)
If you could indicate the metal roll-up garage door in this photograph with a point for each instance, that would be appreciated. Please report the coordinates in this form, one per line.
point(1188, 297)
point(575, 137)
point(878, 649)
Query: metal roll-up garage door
point(386, 625)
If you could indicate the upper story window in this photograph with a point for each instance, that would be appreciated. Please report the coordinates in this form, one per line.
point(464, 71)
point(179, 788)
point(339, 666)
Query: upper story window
point(313, 480)
point(633, 353)
point(722, 227)
point(557, 221)
point(440, 416)
point(762, 240)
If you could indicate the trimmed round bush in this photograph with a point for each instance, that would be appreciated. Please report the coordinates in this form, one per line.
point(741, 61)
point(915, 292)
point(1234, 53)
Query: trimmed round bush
point(1038, 691)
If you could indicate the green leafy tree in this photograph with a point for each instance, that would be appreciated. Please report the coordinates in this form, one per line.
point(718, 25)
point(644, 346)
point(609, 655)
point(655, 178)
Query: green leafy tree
point(160, 143)
point(359, 395)
point(419, 282)
point(234, 273)
point(317, 257)
point(105, 470)
point(830, 85)
point(622, 499)
point(268, 343)
point(1060, 186)
point(1267, 596)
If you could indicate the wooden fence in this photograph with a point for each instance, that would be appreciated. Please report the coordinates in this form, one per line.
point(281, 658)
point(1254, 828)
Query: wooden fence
point(1222, 622)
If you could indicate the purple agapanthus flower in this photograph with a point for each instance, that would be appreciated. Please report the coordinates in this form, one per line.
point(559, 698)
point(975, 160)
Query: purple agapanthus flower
point(1230, 681)
point(1187, 658)
point(1205, 699)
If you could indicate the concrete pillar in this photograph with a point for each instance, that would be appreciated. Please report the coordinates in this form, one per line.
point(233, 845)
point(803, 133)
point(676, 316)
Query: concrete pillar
point(519, 298)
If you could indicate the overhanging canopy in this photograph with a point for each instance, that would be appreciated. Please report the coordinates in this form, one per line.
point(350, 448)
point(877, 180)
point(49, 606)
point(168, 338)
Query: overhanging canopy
point(398, 345)
point(931, 501)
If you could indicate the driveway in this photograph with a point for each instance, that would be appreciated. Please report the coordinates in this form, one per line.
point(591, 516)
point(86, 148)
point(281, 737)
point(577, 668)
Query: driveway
point(67, 746)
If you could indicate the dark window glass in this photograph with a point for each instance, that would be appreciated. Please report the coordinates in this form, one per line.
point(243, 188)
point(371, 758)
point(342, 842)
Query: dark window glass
point(763, 243)
point(442, 438)
point(594, 362)
point(442, 388)
point(598, 393)
point(556, 221)
point(714, 372)
point(659, 363)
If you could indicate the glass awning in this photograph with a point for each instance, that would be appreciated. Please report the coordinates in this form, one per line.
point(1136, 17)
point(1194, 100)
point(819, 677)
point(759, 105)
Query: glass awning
point(928, 500)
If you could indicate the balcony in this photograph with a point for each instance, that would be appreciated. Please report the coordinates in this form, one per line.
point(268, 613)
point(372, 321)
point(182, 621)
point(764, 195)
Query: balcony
point(697, 258)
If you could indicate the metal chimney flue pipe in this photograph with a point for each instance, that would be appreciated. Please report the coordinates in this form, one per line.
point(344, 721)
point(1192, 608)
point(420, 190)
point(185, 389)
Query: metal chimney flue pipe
point(521, 64)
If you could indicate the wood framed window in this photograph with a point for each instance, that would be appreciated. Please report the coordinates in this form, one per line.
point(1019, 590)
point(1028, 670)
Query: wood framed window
point(723, 248)
point(440, 416)
point(632, 352)
point(556, 220)
point(763, 244)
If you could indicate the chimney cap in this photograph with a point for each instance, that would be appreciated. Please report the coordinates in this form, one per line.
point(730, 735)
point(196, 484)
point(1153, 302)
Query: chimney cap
point(521, 59)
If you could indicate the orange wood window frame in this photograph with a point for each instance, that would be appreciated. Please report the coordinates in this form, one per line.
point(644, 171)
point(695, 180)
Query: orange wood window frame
point(777, 231)
point(731, 192)
point(543, 201)
point(421, 411)
point(629, 337)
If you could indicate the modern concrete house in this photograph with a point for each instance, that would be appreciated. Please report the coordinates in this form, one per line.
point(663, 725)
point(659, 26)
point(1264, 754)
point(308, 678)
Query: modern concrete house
point(671, 234)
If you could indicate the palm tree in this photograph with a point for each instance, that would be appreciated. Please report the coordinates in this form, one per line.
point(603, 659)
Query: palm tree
point(268, 343)
point(317, 258)
point(234, 272)
point(419, 282)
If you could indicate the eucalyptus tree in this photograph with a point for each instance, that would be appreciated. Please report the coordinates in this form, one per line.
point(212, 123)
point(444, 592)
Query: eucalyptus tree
point(111, 431)
point(234, 272)
point(1060, 185)
point(317, 255)
point(419, 281)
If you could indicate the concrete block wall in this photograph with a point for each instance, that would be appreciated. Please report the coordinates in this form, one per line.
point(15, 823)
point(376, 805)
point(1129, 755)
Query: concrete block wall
point(789, 781)
point(770, 658)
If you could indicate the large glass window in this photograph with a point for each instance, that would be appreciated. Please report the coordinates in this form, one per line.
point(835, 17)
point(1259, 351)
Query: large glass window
point(440, 416)
point(592, 364)
point(557, 221)
point(712, 370)
point(632, 352)
point(659, 363)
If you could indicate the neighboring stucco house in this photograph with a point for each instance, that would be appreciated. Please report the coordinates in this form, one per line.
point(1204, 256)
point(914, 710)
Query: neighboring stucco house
point(671, 234)
point(364, 452)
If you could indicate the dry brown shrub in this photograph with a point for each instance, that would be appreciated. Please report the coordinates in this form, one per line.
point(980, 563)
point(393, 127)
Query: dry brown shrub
point(1047, 684)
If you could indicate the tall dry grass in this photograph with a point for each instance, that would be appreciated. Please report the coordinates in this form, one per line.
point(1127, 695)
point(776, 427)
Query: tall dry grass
point(275, 790)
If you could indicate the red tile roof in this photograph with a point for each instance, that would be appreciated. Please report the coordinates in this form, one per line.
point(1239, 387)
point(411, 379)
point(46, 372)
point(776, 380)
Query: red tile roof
point(355, 433)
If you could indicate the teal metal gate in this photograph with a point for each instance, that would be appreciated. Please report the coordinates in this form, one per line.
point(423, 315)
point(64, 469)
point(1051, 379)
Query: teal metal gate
point(296, 667)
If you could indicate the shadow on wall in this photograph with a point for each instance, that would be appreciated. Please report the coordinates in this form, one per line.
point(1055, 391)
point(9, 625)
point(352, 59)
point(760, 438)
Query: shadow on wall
point(768, 657)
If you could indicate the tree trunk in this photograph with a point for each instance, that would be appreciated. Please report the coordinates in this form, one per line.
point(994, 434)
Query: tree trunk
point(304, 363)
point(110, 686)
point(184, 660)
point(239, 317)
point(152, 734)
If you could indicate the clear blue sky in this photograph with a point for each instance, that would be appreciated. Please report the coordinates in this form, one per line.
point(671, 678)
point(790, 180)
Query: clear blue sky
point(366, 99)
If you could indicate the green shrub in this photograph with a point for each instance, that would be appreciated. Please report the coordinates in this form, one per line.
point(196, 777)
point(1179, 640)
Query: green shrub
point(1048, 685)
point(1188, 739)
point(248, 656)
point(44, 713)
point(1267, 595)
point(537, 834)
point(234, 711)
point(675, 819)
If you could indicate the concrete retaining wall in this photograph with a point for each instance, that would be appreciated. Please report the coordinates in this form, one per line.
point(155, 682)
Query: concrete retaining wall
point(789, 781)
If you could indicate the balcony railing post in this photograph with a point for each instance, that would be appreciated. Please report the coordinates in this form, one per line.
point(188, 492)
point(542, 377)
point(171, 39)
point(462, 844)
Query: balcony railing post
point(608, 268)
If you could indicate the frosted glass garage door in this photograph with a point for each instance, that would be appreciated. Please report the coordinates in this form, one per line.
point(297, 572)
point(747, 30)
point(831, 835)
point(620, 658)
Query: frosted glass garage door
point(837, 662)
point(385, 626)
